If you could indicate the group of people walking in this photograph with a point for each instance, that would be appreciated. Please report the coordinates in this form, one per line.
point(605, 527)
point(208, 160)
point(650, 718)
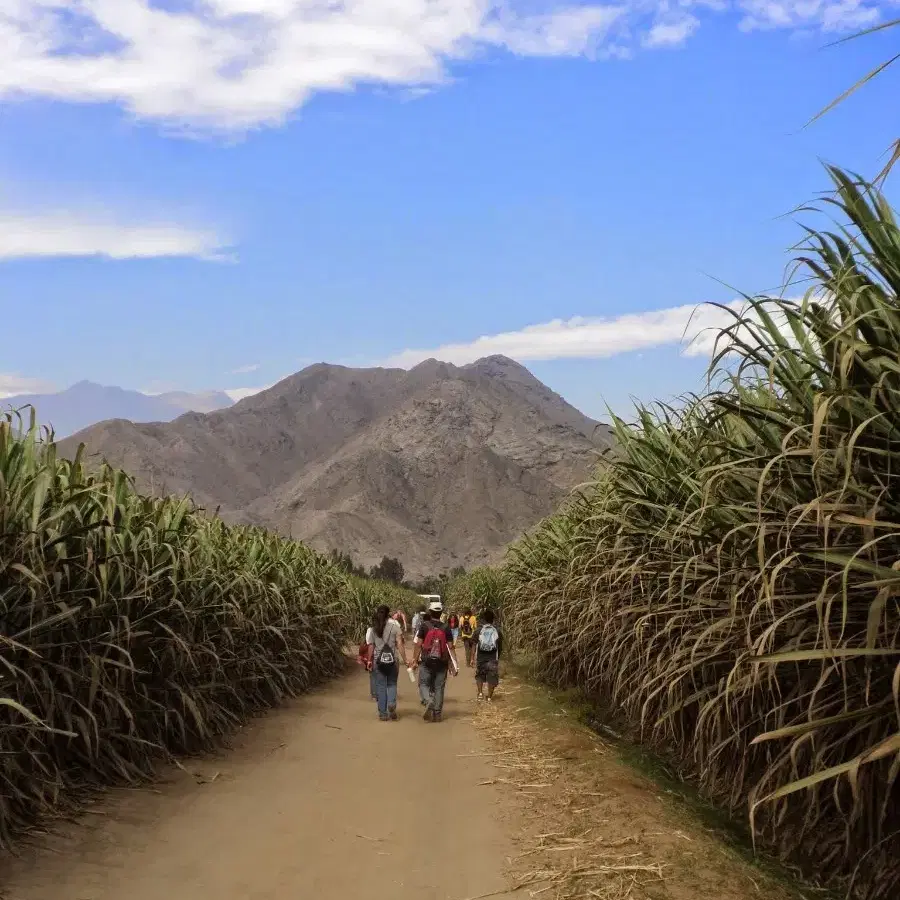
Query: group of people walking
point(433, 657)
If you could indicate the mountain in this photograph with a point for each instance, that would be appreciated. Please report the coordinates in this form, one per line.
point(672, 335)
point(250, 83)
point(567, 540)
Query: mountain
point(86, 403)
point(439, 466)
point(198, 401)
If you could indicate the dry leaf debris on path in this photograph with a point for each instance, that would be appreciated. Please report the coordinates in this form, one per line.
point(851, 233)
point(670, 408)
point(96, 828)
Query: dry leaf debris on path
point(566, 857)
point(591, 828)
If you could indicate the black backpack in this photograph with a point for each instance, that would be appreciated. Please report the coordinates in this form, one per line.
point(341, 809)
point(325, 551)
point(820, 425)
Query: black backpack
point(385, 658)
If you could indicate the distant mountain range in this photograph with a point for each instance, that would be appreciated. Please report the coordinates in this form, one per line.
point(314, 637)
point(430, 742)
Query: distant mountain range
point(438, 466)
point(84, 404)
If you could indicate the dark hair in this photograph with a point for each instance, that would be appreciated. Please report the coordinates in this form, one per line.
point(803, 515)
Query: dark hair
point(422, 608)
point(379, 620)
point(488, 616)
point(468, 611)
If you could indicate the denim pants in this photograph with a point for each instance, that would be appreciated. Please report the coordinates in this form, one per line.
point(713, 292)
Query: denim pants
point(372, 693)
point(386, 688)
point(431, 686)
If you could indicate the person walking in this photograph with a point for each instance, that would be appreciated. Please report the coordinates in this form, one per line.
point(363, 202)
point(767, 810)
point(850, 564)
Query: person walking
point(433, 656)
point(417, 620)
point(400, 617)
point(453, 622)
point(467, 625)
point(488, 643)
point(385, 640)
point(362, 657)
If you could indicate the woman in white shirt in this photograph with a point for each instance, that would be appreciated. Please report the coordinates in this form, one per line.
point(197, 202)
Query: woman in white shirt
point(385, 640)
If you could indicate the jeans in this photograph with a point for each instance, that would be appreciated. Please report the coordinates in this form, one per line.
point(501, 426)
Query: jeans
point(372, 693)
point(431, 686)
point(386, 688)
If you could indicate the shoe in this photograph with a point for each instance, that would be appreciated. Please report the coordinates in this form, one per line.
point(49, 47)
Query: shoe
point(429, 716)
point(481, 696)
point(436, 717)
point(392, 713)
point(383, 718)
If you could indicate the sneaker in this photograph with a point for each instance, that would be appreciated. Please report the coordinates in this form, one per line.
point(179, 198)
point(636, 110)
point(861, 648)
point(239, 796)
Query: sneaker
point(428, 717)
point(392, 713)
point(481, 697)
point(383, 718)
point(436, 717)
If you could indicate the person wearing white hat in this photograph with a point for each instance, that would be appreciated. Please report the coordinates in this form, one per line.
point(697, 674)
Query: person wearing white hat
point(433, 648)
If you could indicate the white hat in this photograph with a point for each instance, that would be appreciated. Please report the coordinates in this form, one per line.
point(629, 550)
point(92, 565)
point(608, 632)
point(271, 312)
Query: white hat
point(435, 606)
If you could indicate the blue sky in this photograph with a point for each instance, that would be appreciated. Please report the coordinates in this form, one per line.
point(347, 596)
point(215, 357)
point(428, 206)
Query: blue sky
point(215, 197)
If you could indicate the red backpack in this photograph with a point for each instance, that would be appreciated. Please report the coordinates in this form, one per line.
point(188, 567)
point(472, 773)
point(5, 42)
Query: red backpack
point(434, 647)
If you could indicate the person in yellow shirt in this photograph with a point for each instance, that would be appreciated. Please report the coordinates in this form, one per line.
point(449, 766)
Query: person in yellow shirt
point(468, 624)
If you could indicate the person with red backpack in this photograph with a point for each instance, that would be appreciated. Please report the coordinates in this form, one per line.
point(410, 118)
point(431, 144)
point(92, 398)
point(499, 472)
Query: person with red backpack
point(433, 656)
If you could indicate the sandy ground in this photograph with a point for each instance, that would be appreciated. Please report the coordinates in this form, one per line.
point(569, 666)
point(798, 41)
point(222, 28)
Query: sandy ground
point(319, 800)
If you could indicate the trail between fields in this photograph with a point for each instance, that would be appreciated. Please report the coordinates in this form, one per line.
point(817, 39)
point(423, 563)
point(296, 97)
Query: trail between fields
point(319, 799)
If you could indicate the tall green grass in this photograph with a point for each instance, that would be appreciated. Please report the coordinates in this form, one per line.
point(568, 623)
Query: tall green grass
point(730, 580)
point(477, 590)
point(133, 627)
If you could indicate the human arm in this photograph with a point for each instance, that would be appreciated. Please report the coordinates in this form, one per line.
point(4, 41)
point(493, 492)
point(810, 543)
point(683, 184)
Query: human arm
point(417, 649)
point(451, 650)
point(401, 646)
point(370, 647)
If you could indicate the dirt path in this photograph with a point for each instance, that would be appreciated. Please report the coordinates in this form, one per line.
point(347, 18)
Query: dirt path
point(316, 800)
point(321, 800)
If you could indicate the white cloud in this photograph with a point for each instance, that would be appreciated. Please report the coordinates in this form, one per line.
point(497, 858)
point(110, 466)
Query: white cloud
point(244, 370)
point(58, 234)
point(826, 15)
point(671, 33)
point(11, 385)
point(565, 32)
point(587, 338)
point(237, 64)
point(241, 393)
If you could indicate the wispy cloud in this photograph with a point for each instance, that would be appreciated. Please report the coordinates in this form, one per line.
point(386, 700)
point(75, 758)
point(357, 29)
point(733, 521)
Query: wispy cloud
point(671, 33)
point(237, 64)
point(244, 370)
point(244, 392)
point(12, 384)
point(588, 338)
point(825, 15)
point(60, 234)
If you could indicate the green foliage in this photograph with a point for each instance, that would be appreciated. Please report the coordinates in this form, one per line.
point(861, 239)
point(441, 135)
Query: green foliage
point(389, 569)
point(481, 589)
point(437, 584)
point(135, 627)
point(344, 561)
point(730, 580)
point(369, 594)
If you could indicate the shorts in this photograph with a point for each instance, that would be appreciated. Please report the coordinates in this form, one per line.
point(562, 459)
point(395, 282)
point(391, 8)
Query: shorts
point(488, 671)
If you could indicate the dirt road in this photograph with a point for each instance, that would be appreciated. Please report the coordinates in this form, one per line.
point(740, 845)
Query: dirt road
point(318, 799)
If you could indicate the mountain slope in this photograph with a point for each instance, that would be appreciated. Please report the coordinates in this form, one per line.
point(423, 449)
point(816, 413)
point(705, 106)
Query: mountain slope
point(439, 466)
point(86, 403)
